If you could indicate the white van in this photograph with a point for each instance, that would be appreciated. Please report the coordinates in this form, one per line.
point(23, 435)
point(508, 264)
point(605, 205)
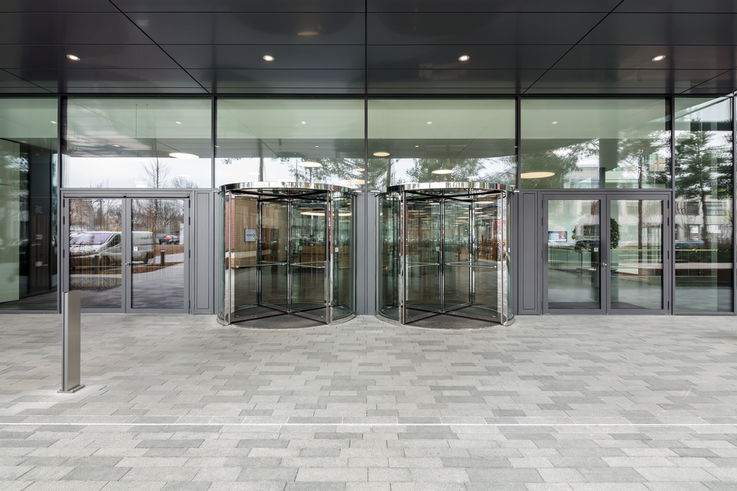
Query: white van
point(97, 248)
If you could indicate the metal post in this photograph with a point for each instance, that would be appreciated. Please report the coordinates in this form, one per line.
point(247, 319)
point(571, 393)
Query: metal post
point(71, 342)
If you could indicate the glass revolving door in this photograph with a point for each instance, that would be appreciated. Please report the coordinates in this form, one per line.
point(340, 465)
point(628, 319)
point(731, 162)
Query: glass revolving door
point(444, 254)
point(288, 249)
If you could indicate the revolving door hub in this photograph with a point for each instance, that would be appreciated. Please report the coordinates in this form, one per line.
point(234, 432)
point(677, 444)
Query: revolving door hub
point(444, 254)
point(288, 249)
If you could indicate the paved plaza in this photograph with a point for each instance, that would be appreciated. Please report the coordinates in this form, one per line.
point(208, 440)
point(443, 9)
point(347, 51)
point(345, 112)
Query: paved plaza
point(552, 402)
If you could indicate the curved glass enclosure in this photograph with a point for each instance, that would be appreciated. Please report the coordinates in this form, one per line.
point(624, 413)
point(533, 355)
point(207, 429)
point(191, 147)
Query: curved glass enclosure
point(288, 248)
point(444, 254)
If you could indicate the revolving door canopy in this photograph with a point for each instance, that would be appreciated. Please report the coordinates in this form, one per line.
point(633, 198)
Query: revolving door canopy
point(288, 249)
point(444, 251)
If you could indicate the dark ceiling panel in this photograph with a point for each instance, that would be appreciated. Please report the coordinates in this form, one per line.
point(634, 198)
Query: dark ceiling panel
point(482, 56)
point(678, 6)
point(723, 83)
point(12, 83)
point(289, 28)
point(117, 80)
point(450, 81)
point(491, 6)
point(282, 81)
point(79, 28)
point(479, 28)
point(251, 56)
point(634, 57)
point(240, 5)
point(619, 81)
point(92, 56)
point(666, 29)
point(56, 6)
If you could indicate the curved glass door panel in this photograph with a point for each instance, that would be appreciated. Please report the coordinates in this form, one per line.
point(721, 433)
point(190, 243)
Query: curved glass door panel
point(456, 255)
point(308, 258)
point(423, 290)
point(343, 294)
point(487, 259)
point(273, 223)
point(388, 292)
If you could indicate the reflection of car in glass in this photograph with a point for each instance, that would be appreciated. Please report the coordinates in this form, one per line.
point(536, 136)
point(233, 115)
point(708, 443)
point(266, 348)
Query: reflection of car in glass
point(586, 245)
point(104, 248)
point(167, 239)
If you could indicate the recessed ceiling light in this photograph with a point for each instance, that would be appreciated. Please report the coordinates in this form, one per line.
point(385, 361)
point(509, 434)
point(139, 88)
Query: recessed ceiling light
point(310, 165)
point(359, 169)
point(317, 146)
point(303, 122)
point(116, 145)
point(313, 213)
point(381, 154)
point(268, 58)
point(307, 33)
point(464, 58)
point(417, 146)
point(178, 122)
point(442, 171)
point(52, 122)
point(659, 58)
point(554, 123)
point(536, 175)
point(183, 155)
point(428, 122)
point(73, 57)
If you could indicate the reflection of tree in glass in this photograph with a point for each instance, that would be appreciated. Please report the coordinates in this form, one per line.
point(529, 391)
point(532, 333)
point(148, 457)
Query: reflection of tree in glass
point(639, 154)
point(157, 173)
point(560, 164)
point(422, 170)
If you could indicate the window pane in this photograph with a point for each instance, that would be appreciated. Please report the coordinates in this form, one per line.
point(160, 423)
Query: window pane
point(138, 143)
point(594, 143)
point(28, 170)
point(294, 140)
point(441, 140)
point(703, 211)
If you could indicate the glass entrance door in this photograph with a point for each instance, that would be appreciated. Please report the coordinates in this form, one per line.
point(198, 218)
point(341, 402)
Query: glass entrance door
point(423, 259)
point(127, 254)
point(606, 253)
point(308, 258)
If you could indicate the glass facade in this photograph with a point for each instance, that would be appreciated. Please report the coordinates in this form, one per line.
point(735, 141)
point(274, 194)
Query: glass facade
point(28, 204)
point(594, 143)
point(293, 140)
point(138, 143)
point(704, 213)
point(432, 140)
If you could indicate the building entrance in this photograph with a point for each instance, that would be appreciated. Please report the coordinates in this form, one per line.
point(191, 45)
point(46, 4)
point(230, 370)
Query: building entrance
point(288, 250)
point(444, 252)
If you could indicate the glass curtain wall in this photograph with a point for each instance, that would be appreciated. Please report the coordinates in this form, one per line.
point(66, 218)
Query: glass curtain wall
point(138, 143)
point(433, 140)
point(704, 214)
point(290, 140)
point(594, 143)
point(28, 205)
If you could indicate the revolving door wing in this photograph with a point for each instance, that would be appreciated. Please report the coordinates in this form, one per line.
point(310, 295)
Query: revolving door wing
point(444, 253)
point(288, 249)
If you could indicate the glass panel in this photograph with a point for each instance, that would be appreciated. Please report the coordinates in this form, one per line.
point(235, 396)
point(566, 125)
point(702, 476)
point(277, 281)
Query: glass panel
point(343, 217)
point(441, 140)
point(96, 251)
point(308, 254)
point(486, 261)
point(273, 254)
point(574, 272)
point(636, 254)
point(595, 143)
point(298, 140)
point(389, 255)
point(456, 248)
point(423, 294)
point(157, 248)
point(28, 206)
point(704, 211)
point(138, 143)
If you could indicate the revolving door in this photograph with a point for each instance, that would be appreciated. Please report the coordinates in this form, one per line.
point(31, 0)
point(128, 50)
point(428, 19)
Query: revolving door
point(288, 249)
point(444, 254)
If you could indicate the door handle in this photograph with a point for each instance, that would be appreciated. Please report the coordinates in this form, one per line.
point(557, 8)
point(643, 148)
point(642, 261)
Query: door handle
point(604, 264)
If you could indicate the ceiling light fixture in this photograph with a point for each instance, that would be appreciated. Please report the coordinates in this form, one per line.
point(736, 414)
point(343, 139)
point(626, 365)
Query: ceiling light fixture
point(307, 33)
point(417, 146)
point(381, 154)
point(659, 58)
point(310, 165)
point(177, 122)
point(464, 58)
point(313, 213)
point(72, 57)
point(536, 175)
point(269, 58)
point(554, 123)
point(183, 155)
point(359, 169)
point(52, 122)
point(428, 122)
point(303, 122)
point(442, 171)
point(317, 146)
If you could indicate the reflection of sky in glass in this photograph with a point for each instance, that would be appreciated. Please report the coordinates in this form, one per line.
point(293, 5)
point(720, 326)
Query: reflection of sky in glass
point(131, 172)
point(342, 172)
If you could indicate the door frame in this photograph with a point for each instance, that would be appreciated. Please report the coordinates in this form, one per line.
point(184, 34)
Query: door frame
point(605, 197)
point(126, 276)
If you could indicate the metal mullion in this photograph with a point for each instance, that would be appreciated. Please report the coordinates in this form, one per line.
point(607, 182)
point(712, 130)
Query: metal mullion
point(329, 257)
point(471, 252)
point(62, 282)
point(734, 207)
point(672, 214)
point(605, 262)
point(126, 257)
point(259, 240)
point(441, 266)
point(289, 255)
point(402, 270)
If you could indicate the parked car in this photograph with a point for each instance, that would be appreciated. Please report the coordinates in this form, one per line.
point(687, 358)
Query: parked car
point(99, 248)
point(167, 238)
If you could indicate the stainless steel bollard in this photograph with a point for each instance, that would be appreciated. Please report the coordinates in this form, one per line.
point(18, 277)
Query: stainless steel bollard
point(71, 342)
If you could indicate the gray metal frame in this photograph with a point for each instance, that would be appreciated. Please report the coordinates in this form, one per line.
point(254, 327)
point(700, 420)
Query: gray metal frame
point(274, 191)
point(126, 276)
point(605, 197)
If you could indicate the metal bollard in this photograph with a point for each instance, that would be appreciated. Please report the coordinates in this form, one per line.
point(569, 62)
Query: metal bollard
point(71, 342)
point(163, 258)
